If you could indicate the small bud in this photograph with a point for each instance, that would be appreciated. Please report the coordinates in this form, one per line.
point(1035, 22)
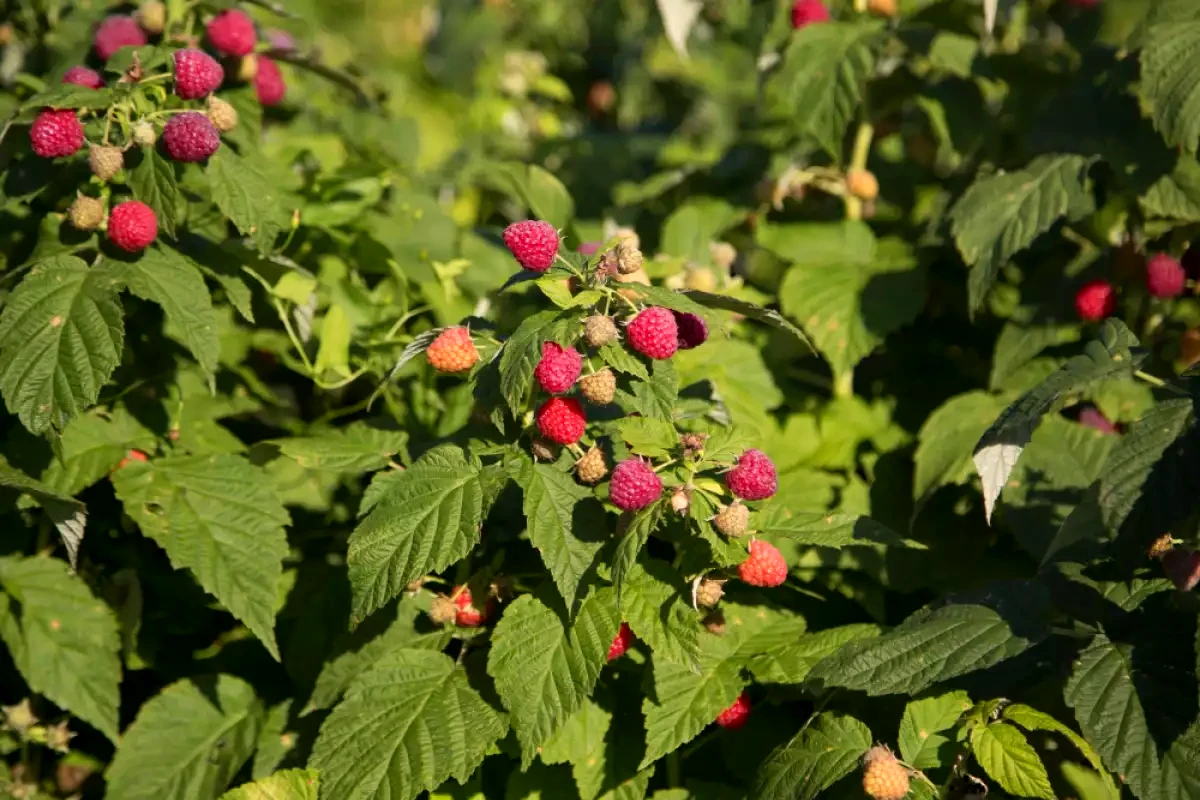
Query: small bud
point(681, 500)
point(20, 718)
point(592, 468)
point(152, 16)
point(58, 737)
point(224, 116)
point(883, 8)
point(628, 235)
point(733, 519)
point(443, 611)
point(693, 443)
point(144, 134)
point(544, 449)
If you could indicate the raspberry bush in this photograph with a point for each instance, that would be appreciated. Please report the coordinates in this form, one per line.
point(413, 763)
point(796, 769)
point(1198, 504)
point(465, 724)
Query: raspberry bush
point(600, 400)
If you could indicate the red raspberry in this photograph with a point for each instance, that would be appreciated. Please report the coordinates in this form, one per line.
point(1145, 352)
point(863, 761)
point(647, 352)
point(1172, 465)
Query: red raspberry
point(116, 32)
point(190, 136)
point(654, 333)
point(268, 82)
point(634, 485)
point(621, 642)
point(56, 133)
point(807, 12)
point(468, 615)
point(1164, 276)
point(1182, 566)
point(561, 419)
point(131, 456)
point(533, 243)
point(452, 351)
point(132, 226)
point(197, 74)
point(754, 476)
point(765, 567)
point(82, 76)
point(559, 368)
point(1096, 300)
point(1092, 417)
point(737, 715)
point(693, 330)
point(232, 33)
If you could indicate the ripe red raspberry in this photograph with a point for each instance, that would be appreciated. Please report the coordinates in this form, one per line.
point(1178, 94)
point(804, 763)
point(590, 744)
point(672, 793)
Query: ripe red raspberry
point(621, 642)
point(558, 368)
point(654, 333)
point(807, 12)
point(232, 33)
point(599, 388)
point(1092, 417)
point(116, 32)
point(693, 330)
point(533, 243)
point(884, 778)
point(132, 226)
point(1182, 566)
point(56, 133)
point(452, 351)
point(197, 74)
point(1164, 276)
point(561, 419)
point(754, 476)
point(765, 567)
point(634, 485)
point(82, 76)
point(130, 457)
point(732, 520)
point(737, 715)
point(592, 468)
point(268, 82)
point(1096, 300)
point(190, 136)
point(468, 615)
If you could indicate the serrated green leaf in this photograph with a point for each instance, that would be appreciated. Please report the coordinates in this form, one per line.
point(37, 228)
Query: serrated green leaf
point(288, 784)
point(620, 359)
point(1011, 761)
point(1170, 69)
point(648, 437)
point(68, 514)
point(1021, 341)
point(824, 752)
point(61, 337)
point(751, 311)
point(1033, 720)
point(686, 702)
point(656, 398)
point(946, 438)
point(582, 734)
point(654, 605)
point(404, 727)
point(821, 529)
point(246, 197)
point(637, 533)
point(1088, 784)
point(1175, 196)
point(152, 181)
point(540, 190)
point(91, 446)
point(742, 381)
point(69, 95)
point(689, 230)
point(159, 758)
point(357, 448)
point(791, 662)
point(819, 244)
point(922, 726)
point(219, 517)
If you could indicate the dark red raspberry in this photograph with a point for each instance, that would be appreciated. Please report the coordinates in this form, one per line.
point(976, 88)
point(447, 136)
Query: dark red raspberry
point(765, 567)
point(634, 485)
point(533, 243)
point(82, 76)
point(621, 642)
point(654, 333)
point(559, 368)
point(268, 82)
point(197, 74)
point(232, 33)
point(737, 715)
point(1182, 566)
point(116, 32)
point(190, 136)
point(1096, 300)
point(807, 12)
point(56, 133)
point(1165, 277)
point(693, 330)
point(562, 420)
point(132, 226)
point(754, 476)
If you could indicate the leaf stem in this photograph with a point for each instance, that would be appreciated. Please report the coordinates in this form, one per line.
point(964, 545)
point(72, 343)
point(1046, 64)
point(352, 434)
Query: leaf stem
point(1158, 382)
point(674, 770)
point(858, 157)
point(287, 325)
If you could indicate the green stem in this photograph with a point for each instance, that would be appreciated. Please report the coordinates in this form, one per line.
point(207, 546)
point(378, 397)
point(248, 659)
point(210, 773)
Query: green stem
point(1158, 382)
point(674, 770)
point(858, 160)
point(843, 385)
point(287, 325)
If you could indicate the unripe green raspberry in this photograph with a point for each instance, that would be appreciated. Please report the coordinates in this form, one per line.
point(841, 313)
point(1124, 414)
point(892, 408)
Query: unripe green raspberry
point(599, 388)
point(105, 161)
point(144, 134)
point(599, 330)
point(592, 467)
point(709, 593)
point(152, 16)
point(224, 116)
point(86, 213)
point(733, 519)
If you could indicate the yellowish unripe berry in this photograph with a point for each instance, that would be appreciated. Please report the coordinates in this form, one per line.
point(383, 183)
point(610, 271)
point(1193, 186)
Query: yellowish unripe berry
point(862, 184)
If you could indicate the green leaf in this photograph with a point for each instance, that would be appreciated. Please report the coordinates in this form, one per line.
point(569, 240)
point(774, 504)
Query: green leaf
point(749, 310)
point(620, 359)
point(1033, 720)
point(821, 529)
point(654, 605)
point(69, 95)
point(523, 350)
point(1002, 214)
point(404, 727)
point(631, 543)
point(946, 439)
point(289, 784)
point(159, 758)
point(922, 726)
point(685, 702)
point(540, 190)
point(544, 669)
point(582, 734)
point(691, 228)
point(1087, 784)
point(1011, 761)
point(357, 448)
point(219, 517)
point(63, 640)
point(334, 352)
point(657, 397)
point(791, 662)
point(1022, 341)
point(825, 752)
point(61, 337)
point(68, 514)
point(1175, 196)
point(152, 180)
point(246, 197)
point(819, 244)
point(1170, 69)
point(429, 519)
point(654, 438)
point(91, 446)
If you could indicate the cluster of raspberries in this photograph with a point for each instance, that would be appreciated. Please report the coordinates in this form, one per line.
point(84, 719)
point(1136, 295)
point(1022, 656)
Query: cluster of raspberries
point(1165, 276)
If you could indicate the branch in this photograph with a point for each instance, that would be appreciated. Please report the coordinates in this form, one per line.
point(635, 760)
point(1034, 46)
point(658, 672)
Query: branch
point(340, 77)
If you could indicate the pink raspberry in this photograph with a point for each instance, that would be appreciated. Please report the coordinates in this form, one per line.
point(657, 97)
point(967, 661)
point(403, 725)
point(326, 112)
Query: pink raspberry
point(807, 12)
point(56, 133)
point(268, 82)
point(754, 476)
point(1096, 300)
point(1165, 276)
point(764, 567)
point(132, 226)
point(562, 420)
point(467, 615)
point(654, 333)
point(693, 330)
point(533, 243)
point(197, 74)
point(737, 715)
point(621, 642)
point(634, 485)
point(559, 368)
point(232, 33)
point(1091, 417)
point(116, 32)
point(82, 76)
point(190, 136)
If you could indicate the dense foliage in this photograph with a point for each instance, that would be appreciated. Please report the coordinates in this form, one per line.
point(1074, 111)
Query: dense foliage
point(600, 400)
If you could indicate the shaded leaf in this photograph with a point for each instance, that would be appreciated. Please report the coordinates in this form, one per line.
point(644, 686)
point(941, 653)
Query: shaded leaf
point(826, 751)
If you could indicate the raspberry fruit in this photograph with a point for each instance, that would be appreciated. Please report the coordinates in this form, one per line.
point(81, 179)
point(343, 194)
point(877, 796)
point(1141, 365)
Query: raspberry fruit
point(699, 279)
point(452, 351)
point(634, 485)
point(592, 468)
point(144, 134)
point(468, 615)
point(884, 778)
point(247, 68)
point(56, 133)
point(190, 136)
point(268, 82)
point(883, 8)
point(681, 500)
point(737, 715)
point(86, 213)
point(558, 368)
point(105, 161)
point(733, 519)
point(221, 114)
point(132, 226)
point(130, 457)
point(82, 76)
point(628, 258)
point(765, 567)
point(232, 33)
point(197, 74)
point(544, 450)
point(561, 419)
point(533, 243)
point(152, 16)
point(1182, 566)
point(621, 642)
point(723, 254)
point(709, 592)
point(1092, 417)
point(754, 476)
point(116, 32)
point(442, 611)
point(653, 333)
point(1096, 300)
point(693, 330)
point(862, 184)
point(808, 12)
point(599, 388)
point(1165, 276)
point(599, 330)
